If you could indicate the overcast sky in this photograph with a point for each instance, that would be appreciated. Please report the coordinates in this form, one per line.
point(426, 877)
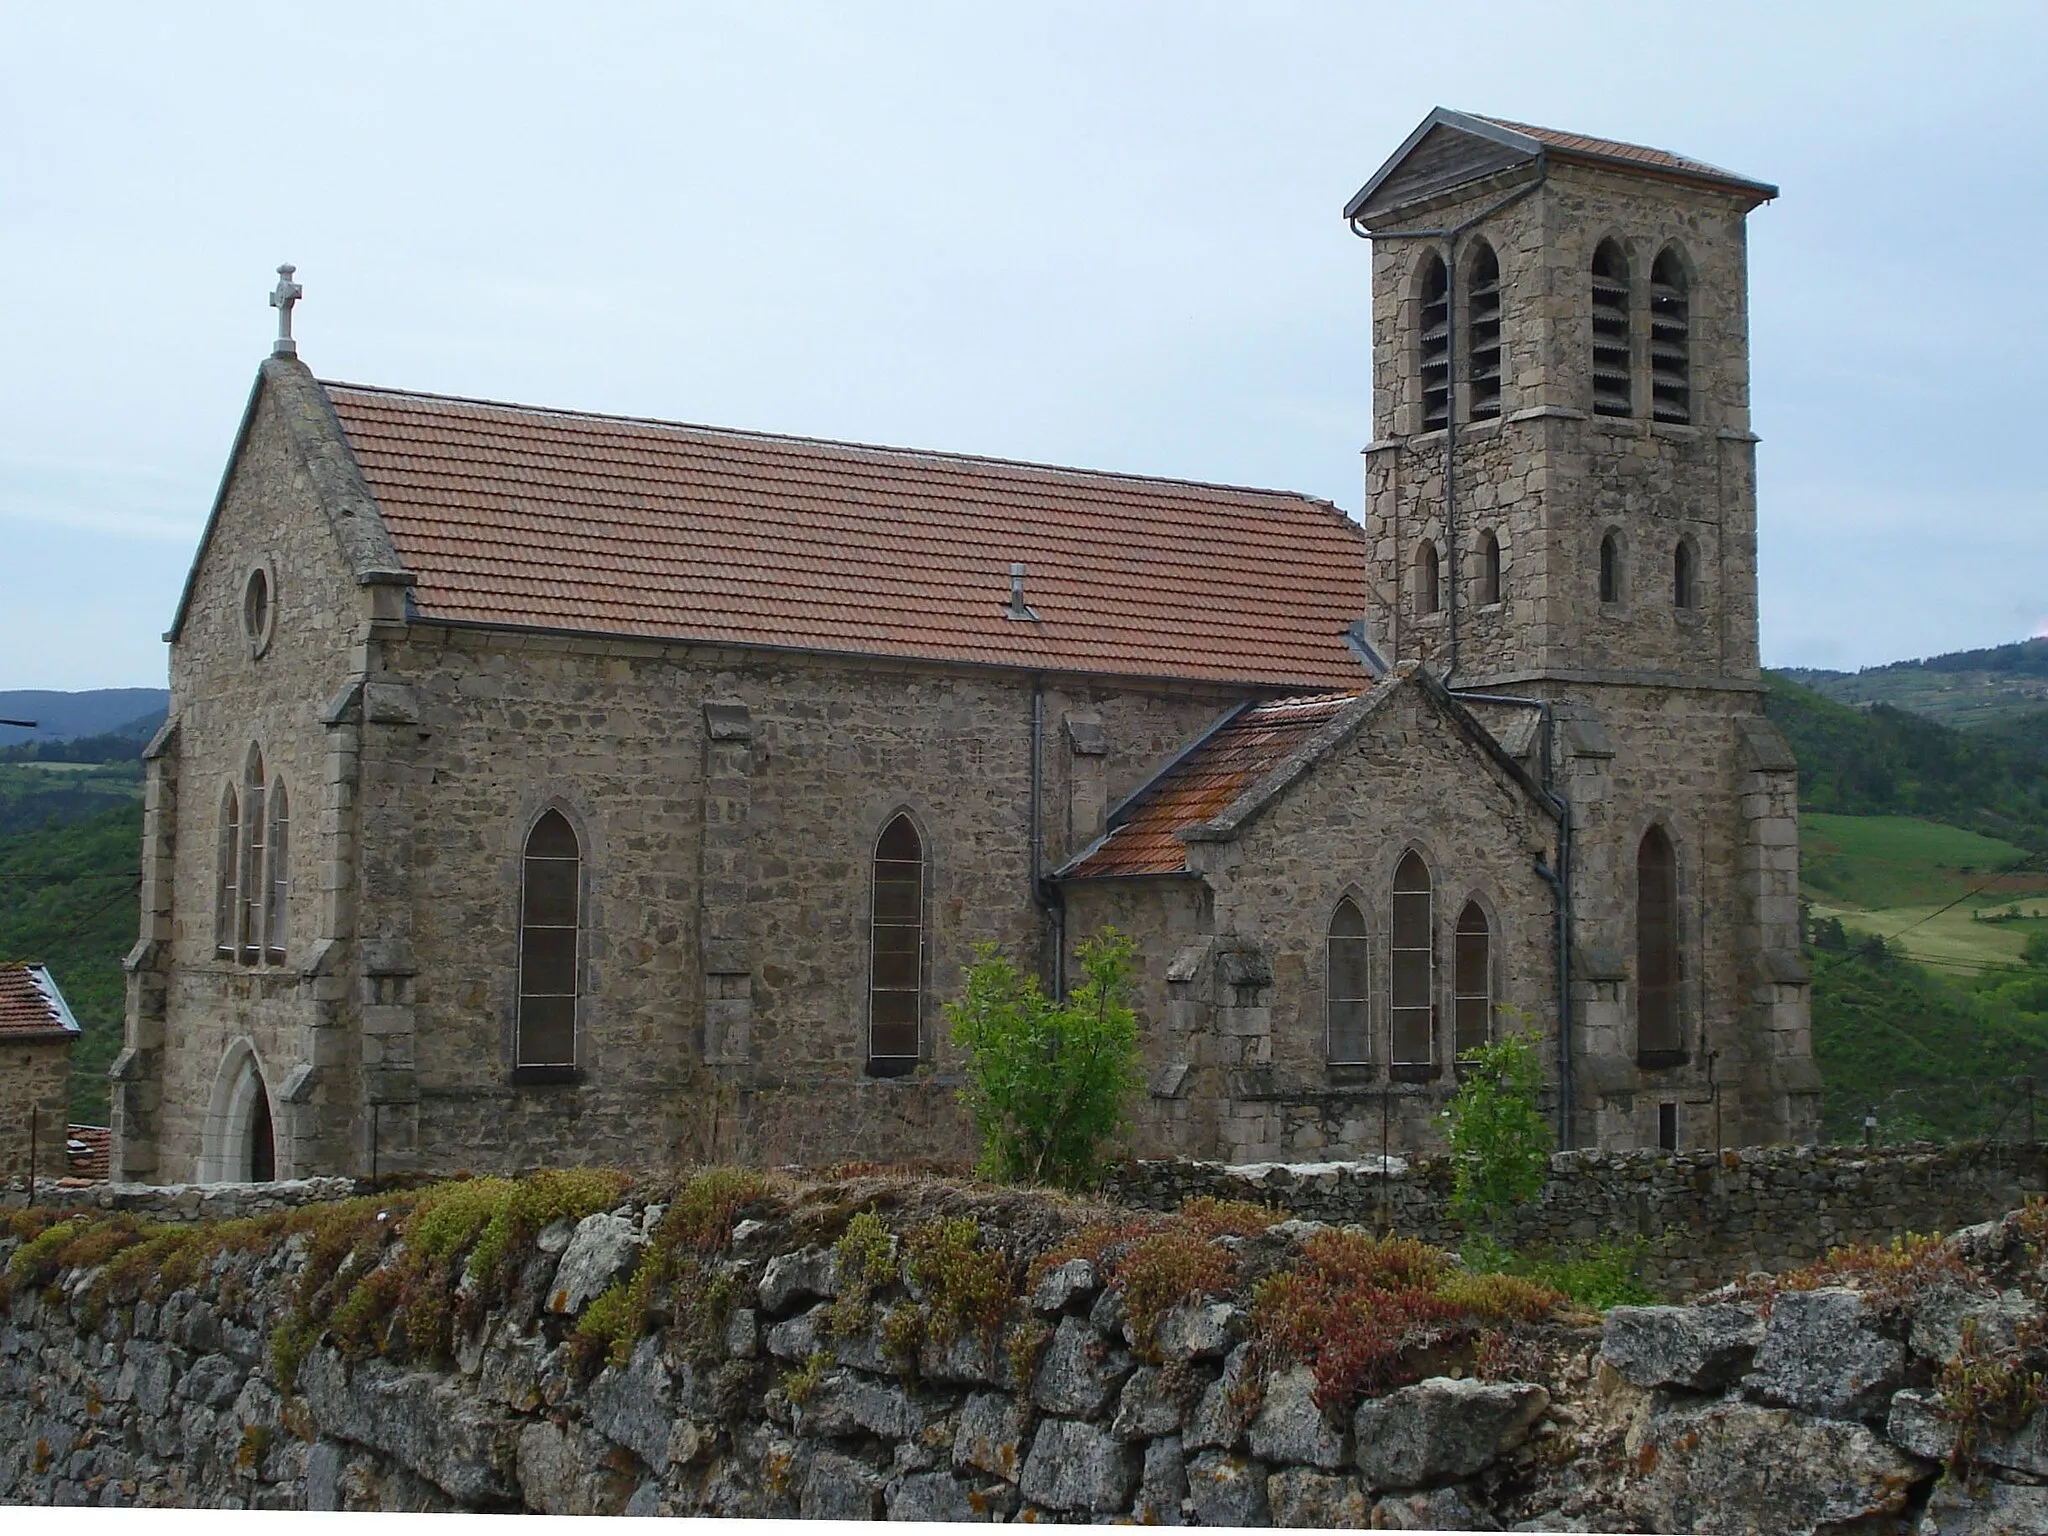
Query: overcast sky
point(1096, 234)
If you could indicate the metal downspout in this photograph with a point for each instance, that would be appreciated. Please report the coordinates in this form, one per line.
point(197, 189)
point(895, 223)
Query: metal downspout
point(1045, 893)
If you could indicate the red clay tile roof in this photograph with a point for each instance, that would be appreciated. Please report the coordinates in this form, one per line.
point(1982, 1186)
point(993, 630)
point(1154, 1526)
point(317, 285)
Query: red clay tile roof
point(1205, 783)
point(1614, 149)
point(519, 516)
point(30, 1003)
point(90, 1152)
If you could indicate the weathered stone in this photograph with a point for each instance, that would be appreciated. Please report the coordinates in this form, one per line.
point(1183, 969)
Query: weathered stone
point(1197, 1331)
point(797, 1338)
point(1727, 1467)
point(971, 1358)
point(1299, 1496)
point(566, 1471)
point(1079, 1373)
point(1290, 1429)
point(213, 1380)
point(1076, 1466)
point(837, 1487)
point(1108, 1315)
point(791, 1278)
point(1145, 1409)
point(742, 1334)
point(1822, 1354)
point(1066, 1286)
point(1940, 1318)
point(323, 1474)
point(1220, 1416)
point(942, 1496)
point(991, 1435)
point(1165, 1484)
point(427, 1423)
point(634, 1407)
point(1440, 1430)
point(1916, 1424)
point(1441, 1509)
point(846, 1403)
point(1701, 1349)
point(1228, 1489)
point(1985, 1508)
point(603, 1248)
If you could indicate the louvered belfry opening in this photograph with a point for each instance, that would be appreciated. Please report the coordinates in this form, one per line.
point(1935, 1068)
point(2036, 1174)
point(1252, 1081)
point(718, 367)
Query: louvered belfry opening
point(1347, 1042)
point(1489, 568)
point(1429, 588)
point(1414, 956)
point(1434, 344)
point(1670, 340)
point(1657, 1034)
point(896, 957)
point(1684, 582)
point(1482, 333)
point(1611, 383)
point(550, 920)
point(1610, 570)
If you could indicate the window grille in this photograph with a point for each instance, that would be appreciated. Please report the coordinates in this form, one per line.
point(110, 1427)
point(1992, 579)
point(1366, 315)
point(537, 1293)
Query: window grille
point(1434, 350)
point(1670, 341)
point(1612, 387)
point(1414, 957)
point(1482, 335)
point(1472, 985)
point(1610, 570)
point(227, 902)
point(1657, 1034)
point(1489, 568)
point(1347, 1041)
point(550, 923)
point(1429, 595)
point(277, 903)
point(896, 953)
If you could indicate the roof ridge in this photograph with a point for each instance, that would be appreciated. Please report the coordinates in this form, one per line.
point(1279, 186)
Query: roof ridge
point(753, 434)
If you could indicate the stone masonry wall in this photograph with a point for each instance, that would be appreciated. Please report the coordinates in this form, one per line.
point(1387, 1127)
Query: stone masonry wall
point(35, 1079)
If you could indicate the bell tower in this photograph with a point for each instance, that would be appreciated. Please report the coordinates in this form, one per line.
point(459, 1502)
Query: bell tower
point(1561, 507)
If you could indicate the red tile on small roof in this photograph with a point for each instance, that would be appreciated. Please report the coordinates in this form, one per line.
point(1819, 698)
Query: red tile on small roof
point(1615, 149)
point(30, 1003)
point(89, 1151)
point(1207, 782)
point(511, 515)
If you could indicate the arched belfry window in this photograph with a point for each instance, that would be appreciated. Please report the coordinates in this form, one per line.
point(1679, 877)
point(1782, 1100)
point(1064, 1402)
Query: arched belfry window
point(1611, 384)
point(1685, 581)
point(278, 885)
point(254, 871)
point(1482, 334)
point(1610, 569)
point(1670, 340)
point(1472, 984)
point(1433, 343)
point(1413, 994)
point(896, 951)
point(227, 899)
point(550, 926)
point(1429, 593)
point(1657, 1032)
point(1489, 568)
point(1347, 1041)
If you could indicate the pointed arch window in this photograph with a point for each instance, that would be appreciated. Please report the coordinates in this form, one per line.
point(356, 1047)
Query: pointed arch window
point(1489, 568)
point(1610, 569)
point(1482, 334)
point(1347, 1041)
point(896, 951)
point(1429, 594)
point(1670, 339)
point(254, 872)
point(1685, 587)
point(1658, 1042)
point(1413, 994)
point(227, 898)
point(550, 930)
point(1472, 983)
point(1433, 336)
point(279, 884)
point(1612, 386)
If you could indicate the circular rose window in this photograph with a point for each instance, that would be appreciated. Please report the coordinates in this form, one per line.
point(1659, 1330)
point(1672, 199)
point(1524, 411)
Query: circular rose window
point(258, 610)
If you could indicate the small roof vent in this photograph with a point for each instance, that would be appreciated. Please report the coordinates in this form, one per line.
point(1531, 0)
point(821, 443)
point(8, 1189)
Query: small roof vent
point(1018, 608)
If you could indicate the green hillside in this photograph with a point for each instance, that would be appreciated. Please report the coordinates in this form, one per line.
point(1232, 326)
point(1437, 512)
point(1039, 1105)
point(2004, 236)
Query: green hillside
point(68, 899)
point(1968, 690)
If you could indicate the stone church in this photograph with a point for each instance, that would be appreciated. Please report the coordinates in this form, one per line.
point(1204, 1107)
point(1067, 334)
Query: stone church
point(546, 787)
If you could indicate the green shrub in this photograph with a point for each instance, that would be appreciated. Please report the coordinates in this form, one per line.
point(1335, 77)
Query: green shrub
point(1048, 1083)
point(1500, 1142)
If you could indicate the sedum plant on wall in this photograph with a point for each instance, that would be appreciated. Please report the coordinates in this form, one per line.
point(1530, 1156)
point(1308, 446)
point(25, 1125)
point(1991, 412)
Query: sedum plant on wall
point(1048, 1082)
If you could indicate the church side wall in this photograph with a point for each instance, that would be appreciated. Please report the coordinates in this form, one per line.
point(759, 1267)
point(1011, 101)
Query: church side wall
point(225, 700)
point(812, 756)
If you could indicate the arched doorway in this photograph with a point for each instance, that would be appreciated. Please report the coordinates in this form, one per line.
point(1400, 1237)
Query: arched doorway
point(239, 1143)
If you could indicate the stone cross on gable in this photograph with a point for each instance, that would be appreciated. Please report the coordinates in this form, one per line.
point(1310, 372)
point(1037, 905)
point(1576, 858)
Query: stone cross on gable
point(282, 298)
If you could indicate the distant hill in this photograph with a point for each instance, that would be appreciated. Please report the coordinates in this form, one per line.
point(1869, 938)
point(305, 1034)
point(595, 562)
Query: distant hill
point(1971, 690)
point(93, 712)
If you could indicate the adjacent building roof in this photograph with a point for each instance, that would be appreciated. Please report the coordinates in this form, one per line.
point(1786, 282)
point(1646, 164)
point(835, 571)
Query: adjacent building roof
point(513, 515)
point(31, 1007)
point(1203, 783)
point(89, 1151)
point(1417, 170)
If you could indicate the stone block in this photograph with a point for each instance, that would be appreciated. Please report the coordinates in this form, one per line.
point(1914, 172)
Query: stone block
point(1066, 1287)
point(1823, 1354)
point(604, 1248)
point(837, 1487)
point(1985, 1508)
point(1442, 1429)
point(1227, 1489)
point(1701, 1349)
point(1076, 1466)
point(1145, 1409)
point(1290, 1429)
point(1303, 1498)
point(846, 1403)
point(1164, 1484)
point(1079, 1372)
point(792, 1278)
point(1198, 1331)
point(991, 1435)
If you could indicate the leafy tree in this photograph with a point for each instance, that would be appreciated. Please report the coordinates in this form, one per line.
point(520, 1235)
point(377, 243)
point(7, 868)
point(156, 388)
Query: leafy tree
point(1048, 1082)
point(1500, 1140)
